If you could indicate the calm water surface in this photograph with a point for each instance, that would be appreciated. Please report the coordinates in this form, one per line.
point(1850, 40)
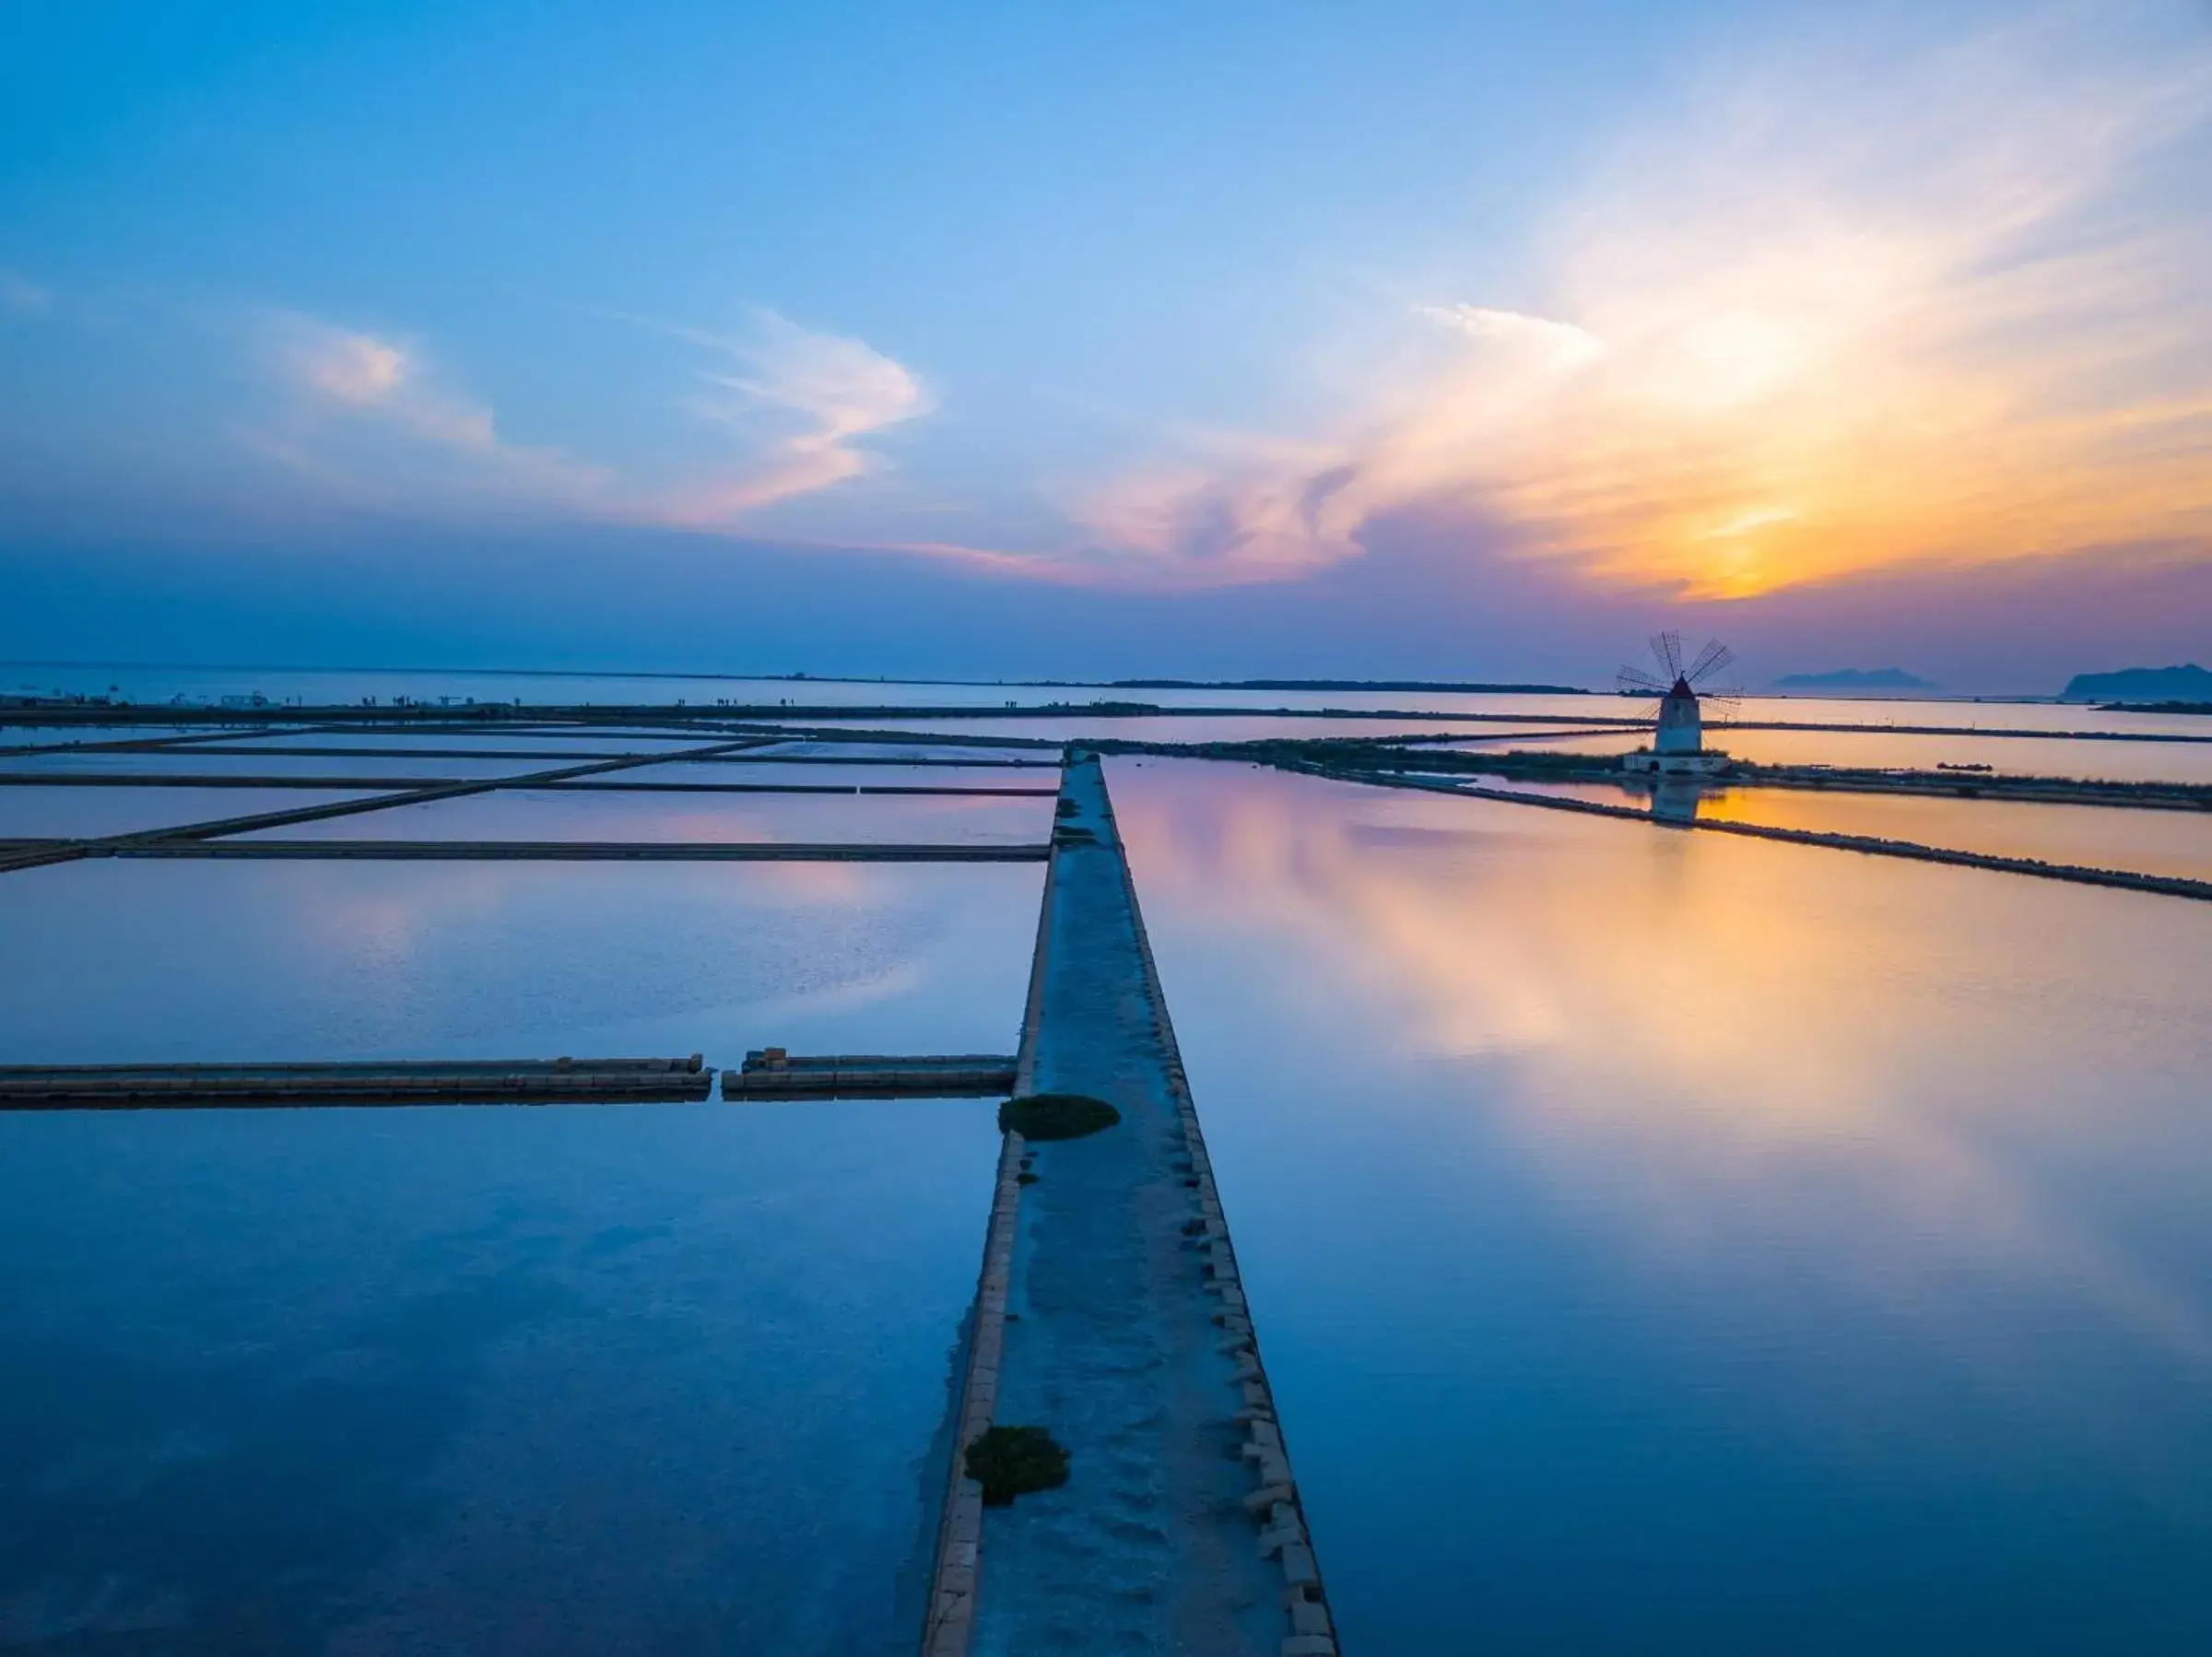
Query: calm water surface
point(2150, 843)
point(142, 961)
point(936, 754)
point(1665, 1243)
point(75, 735)
point(530, 815)
point(1661, 1242)
point(2097, 837)
point(768, 769)
point(570, 1379)
point(562, 1380)
point(82, 813)
point(552, 749)
point(2083, 757)
point(181, 762)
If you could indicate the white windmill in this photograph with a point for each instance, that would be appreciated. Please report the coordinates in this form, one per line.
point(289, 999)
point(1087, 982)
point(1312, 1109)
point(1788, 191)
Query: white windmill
point(1679, 734)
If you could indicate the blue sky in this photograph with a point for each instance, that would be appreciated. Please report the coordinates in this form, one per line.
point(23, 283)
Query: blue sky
point(1394, 339)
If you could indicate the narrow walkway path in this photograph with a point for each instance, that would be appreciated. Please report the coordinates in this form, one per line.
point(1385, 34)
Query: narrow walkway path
point(1125, 1333)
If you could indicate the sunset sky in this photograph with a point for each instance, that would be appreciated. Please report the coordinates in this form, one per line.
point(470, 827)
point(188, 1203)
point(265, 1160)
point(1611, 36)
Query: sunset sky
point(1390, 340)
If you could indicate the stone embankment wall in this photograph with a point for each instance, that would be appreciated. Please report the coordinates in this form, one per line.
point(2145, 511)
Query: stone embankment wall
point(1181, 1527)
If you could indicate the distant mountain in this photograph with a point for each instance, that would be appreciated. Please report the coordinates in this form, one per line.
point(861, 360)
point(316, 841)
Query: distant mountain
point(2189, 684)
point(1854, 678)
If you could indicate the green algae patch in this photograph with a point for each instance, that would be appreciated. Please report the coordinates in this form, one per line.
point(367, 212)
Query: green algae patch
point(1056, 1116)
point(1015, 1460)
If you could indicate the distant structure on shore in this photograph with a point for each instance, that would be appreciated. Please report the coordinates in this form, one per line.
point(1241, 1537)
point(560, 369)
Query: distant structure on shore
point(1679, 734)
point(1854, 678)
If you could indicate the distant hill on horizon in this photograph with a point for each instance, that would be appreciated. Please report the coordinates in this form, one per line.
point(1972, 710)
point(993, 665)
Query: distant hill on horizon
point(2186, 684)
point(1854, 678)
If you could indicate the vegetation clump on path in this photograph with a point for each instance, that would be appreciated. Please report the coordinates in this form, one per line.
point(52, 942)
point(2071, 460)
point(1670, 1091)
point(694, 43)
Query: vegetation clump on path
point(1015, 1460)
point(1056, 1116)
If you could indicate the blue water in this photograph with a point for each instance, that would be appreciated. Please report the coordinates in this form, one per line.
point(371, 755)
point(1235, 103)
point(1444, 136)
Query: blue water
point(181, 762)
point(2131, 838)
point(525, 814)
point(184, 961)
point(1659, 1242)
point(1673, 1243)
point(569, 1379)
point(78, 812)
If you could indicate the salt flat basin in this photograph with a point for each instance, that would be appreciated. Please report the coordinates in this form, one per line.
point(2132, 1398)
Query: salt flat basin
point(173, 962)
point(586, 1378)
point(65, 736)
point(88, 813)
point(821, 769)
point(1666, 1242)
point(552, 746)
point(571, 1379)
point(2084, 756)
point(270, 762)
point(1030, 757)
point(2104, 836)
point(527, 815)
point(2139, 841)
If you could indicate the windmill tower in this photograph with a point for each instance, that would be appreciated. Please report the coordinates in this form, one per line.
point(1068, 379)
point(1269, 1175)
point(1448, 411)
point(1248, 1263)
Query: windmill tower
point(1678, 735)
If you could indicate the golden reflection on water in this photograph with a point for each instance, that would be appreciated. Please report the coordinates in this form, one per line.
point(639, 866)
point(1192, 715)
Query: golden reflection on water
point(2135, 839)
point(1742, 1046)
point(2099, 837)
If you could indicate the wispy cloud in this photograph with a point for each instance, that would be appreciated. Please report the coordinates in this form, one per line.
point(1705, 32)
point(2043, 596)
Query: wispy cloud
point(1856, 306)
point(1865, 303)
point(798, 401)
point(371, 417)
point(1234, 510)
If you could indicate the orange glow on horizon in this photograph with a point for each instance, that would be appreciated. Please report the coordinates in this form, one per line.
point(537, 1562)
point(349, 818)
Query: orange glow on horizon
point(1824, 323)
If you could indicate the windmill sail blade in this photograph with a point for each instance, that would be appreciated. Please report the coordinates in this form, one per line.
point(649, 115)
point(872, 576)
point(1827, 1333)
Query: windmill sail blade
point(1710, 660)
point(1722, 704)
point(1667, 649)
point(1634, 681)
